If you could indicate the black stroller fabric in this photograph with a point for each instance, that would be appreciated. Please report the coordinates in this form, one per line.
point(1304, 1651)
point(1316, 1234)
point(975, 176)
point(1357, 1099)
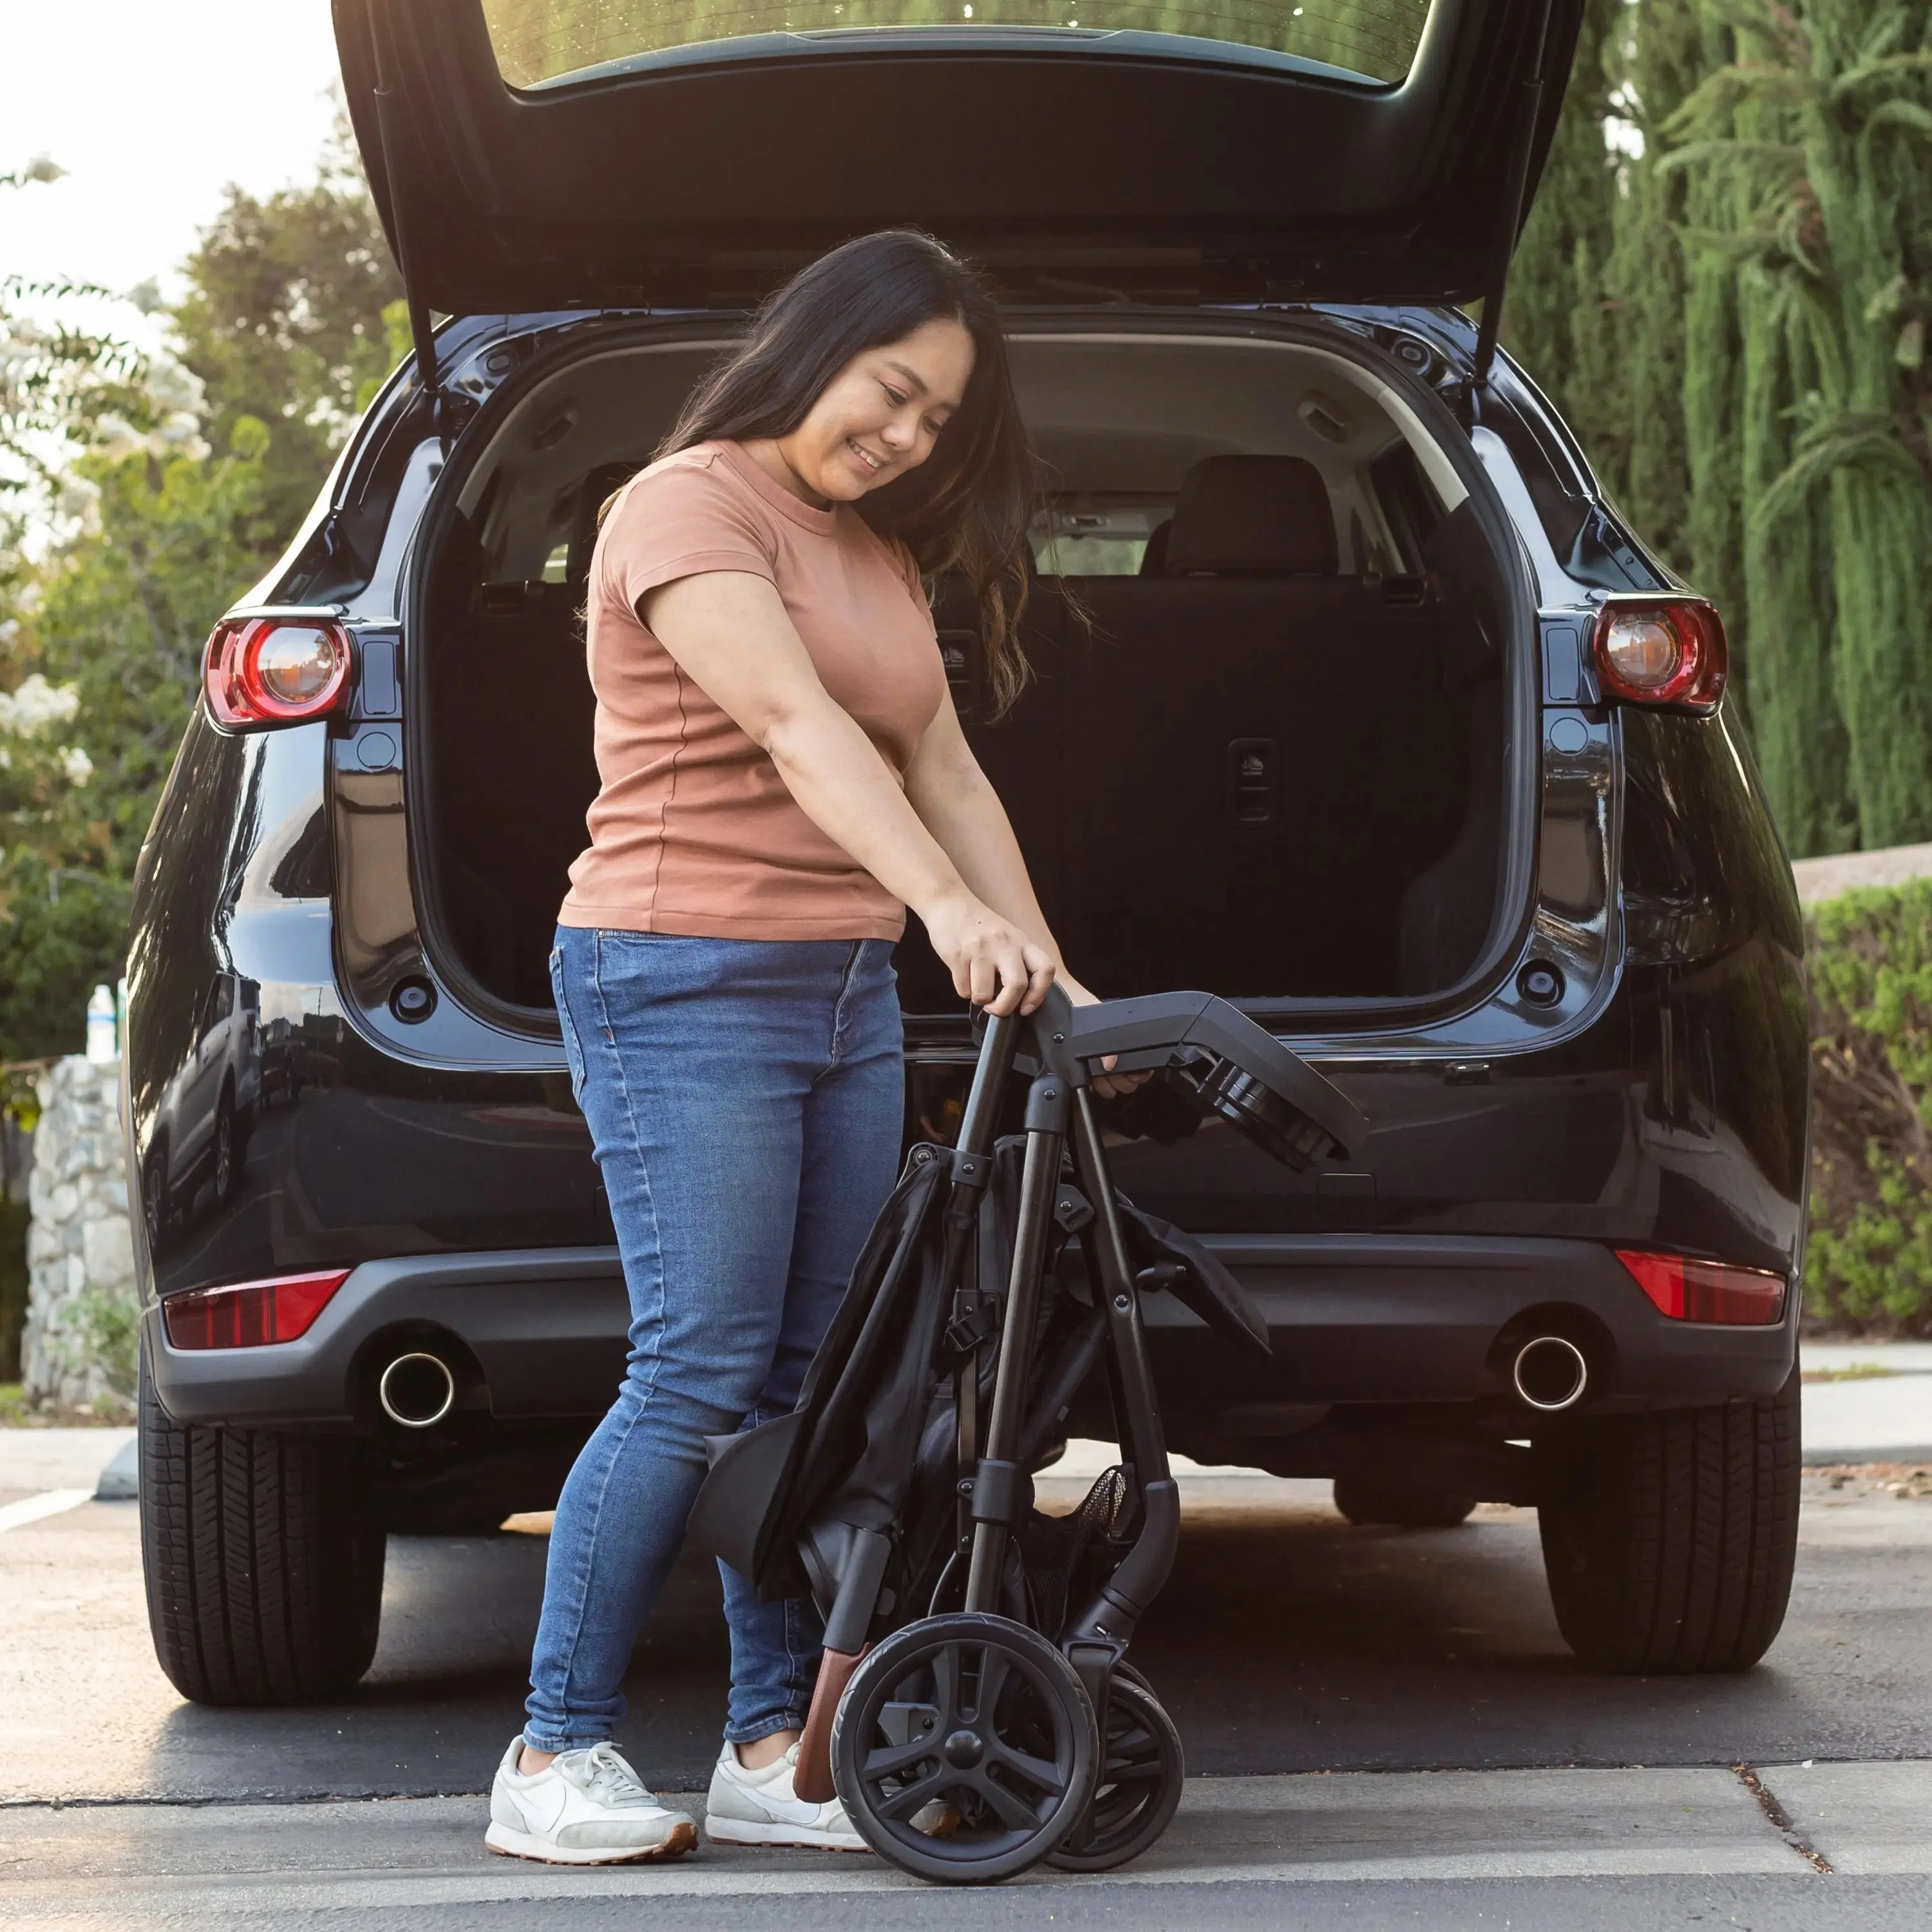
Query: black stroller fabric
point(871, 1444)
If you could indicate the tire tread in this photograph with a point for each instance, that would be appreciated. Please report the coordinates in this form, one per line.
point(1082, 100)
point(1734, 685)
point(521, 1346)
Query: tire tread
point(1670, 1547)
point(263, 1562)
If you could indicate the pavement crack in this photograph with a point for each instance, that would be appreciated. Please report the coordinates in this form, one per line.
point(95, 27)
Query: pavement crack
point(1780, 1818)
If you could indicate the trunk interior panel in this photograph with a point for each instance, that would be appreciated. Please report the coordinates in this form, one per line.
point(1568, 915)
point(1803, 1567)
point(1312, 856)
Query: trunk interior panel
point(1263, 751)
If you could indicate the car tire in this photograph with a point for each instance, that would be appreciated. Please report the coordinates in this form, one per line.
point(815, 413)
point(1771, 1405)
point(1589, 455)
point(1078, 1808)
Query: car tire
point(1669, 1542)
point(1364, 1500)
point(225, 1154)
point(263, 1559)
point(155, 1205)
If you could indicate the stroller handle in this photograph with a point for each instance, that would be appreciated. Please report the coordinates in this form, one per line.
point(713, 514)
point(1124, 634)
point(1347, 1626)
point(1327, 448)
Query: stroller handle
point(1233, 1067)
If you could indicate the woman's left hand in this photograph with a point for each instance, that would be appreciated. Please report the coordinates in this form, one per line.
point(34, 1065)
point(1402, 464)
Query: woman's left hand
point(1107, 1083)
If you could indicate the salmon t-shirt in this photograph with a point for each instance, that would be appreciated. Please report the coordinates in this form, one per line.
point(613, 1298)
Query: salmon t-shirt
point(693, 830)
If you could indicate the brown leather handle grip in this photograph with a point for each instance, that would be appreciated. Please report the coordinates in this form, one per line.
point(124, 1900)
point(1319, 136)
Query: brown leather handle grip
point(812, 1779)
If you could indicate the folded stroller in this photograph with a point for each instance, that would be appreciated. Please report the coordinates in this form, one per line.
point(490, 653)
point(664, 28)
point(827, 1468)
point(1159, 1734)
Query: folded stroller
point(974, 1710)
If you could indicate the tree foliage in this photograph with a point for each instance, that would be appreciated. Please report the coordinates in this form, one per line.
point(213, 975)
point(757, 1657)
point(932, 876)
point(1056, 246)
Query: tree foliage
point(284, 321)
point(161, 486)
point(1760, 405)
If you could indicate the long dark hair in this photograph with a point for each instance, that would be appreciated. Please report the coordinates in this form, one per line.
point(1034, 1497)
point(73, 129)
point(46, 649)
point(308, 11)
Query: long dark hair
point(968, 507)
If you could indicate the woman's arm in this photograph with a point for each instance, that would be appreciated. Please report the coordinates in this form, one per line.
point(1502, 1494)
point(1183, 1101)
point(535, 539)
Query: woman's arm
point(730, 631)
point(945, 786)
point(950, 793)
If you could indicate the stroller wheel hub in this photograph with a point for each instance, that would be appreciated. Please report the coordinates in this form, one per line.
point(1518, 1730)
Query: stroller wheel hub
point(1012, 1754)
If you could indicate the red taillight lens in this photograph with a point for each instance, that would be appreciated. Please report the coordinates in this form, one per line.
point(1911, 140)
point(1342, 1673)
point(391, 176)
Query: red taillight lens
point(1667, 650)
point(1692, 1291)
point(275, 670)
point(251, 1313)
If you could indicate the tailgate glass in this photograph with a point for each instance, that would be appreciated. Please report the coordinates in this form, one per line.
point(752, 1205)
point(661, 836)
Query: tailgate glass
point(540, 42)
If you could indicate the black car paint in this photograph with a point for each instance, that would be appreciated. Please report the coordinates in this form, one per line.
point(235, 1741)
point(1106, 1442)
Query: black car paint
point(1661, 1102)
point(1249, 174)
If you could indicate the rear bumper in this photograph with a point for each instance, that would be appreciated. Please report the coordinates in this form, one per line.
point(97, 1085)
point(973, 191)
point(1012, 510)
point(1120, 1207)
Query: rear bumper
point(1423, 1319)
point(545, 1326)
point(1355, 1319)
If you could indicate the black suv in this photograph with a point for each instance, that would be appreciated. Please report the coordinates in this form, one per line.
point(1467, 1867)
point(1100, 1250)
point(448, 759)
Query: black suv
point(1355, 702)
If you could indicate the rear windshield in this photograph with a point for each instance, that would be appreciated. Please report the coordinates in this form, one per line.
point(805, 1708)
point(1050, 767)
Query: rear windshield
point(540, 41)
point(1098, 534)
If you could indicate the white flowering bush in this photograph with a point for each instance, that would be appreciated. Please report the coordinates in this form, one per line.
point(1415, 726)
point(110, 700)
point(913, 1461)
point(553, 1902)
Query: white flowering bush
point(141, 492)
point(28, 718)
point(28, 712)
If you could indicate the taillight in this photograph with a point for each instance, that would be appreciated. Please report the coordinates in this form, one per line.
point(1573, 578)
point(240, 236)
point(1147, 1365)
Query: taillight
point(1693, 1291)
point(1661, 650)
point(251, 1313)
point(275, 670)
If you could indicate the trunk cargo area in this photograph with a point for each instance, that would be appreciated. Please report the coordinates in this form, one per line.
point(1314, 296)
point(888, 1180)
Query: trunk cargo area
point(1263, 751)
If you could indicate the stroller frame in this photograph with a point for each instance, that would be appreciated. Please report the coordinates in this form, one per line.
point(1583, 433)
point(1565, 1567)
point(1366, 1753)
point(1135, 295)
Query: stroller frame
point(1028, 1759)
point(994, 1500)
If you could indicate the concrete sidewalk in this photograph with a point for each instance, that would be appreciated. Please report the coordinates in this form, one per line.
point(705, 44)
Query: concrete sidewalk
point(235, 1863)
point(1880, 1417)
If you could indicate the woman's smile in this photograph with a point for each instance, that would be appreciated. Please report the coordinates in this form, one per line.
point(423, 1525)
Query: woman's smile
point(873, 464)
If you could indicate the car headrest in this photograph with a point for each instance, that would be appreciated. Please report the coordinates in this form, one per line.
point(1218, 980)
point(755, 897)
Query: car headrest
point(1153, 559)
point(1265, 515)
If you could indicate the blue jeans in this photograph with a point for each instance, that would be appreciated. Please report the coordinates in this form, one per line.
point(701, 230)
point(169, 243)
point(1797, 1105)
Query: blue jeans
point(745, 1099)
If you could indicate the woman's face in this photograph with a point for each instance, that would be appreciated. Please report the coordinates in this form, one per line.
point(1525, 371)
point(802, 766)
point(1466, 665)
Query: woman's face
point(881, 414)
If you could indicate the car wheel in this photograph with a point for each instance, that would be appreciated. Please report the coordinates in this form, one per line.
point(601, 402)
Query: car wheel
point(1669, 1542)
point(1406, 1504)
point(155, 1206)
point(227, 1162)
point(264, 1561)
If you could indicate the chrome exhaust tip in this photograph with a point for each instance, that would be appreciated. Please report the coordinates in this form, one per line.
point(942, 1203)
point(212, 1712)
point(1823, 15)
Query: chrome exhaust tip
point(1550, 1372)
point(417, 1389)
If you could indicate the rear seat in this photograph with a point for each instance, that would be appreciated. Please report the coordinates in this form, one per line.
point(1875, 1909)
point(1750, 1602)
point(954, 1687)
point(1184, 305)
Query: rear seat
point(1258, 748)
point(1022, 756)
point(508, 782)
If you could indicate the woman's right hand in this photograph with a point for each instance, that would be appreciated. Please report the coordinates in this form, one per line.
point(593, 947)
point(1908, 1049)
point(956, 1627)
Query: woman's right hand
point(993, 963)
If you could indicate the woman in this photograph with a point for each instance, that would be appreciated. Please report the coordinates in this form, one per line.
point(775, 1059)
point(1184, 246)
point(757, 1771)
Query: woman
point(783, 774)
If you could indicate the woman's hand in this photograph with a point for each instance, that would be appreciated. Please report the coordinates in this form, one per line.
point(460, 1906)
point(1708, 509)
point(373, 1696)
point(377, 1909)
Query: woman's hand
point(993, 963)
point(1107, 1083)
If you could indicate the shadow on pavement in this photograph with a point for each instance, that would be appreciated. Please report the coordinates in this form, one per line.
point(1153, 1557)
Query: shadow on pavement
point(1286, 1642)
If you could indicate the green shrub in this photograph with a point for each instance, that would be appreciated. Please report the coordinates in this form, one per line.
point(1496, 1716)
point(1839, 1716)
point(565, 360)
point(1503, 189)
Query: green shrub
point(1869, 1262)
point(110, 1327)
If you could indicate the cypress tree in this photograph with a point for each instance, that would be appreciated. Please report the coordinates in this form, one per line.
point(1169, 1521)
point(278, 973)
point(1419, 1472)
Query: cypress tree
point(1863, 132)
point(1816, 135)
point(1772, 579)
point(1713, 366)
point(1655, 65)
point(1798, 729)
point(1556, 318)
point(1787, 605)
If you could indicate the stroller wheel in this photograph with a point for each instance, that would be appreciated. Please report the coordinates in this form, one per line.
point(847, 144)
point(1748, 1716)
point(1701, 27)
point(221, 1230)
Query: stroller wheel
point(1139, 1784)
point(972, 1716)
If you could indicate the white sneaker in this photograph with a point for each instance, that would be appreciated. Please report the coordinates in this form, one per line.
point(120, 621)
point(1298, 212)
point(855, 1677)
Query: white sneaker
point(759, 1808)
point(585, 1807)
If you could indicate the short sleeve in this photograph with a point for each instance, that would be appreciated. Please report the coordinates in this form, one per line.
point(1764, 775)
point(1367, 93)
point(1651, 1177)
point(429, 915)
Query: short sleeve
point(680, 521)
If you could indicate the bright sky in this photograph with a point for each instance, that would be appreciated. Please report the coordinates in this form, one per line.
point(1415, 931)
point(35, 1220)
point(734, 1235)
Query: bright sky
point(153, 106)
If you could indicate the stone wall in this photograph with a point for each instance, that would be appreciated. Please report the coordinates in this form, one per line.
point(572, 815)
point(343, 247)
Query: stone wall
point(78, 1350)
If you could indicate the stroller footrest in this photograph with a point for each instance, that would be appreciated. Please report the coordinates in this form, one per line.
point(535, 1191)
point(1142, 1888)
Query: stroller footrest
point(1002, 1492)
